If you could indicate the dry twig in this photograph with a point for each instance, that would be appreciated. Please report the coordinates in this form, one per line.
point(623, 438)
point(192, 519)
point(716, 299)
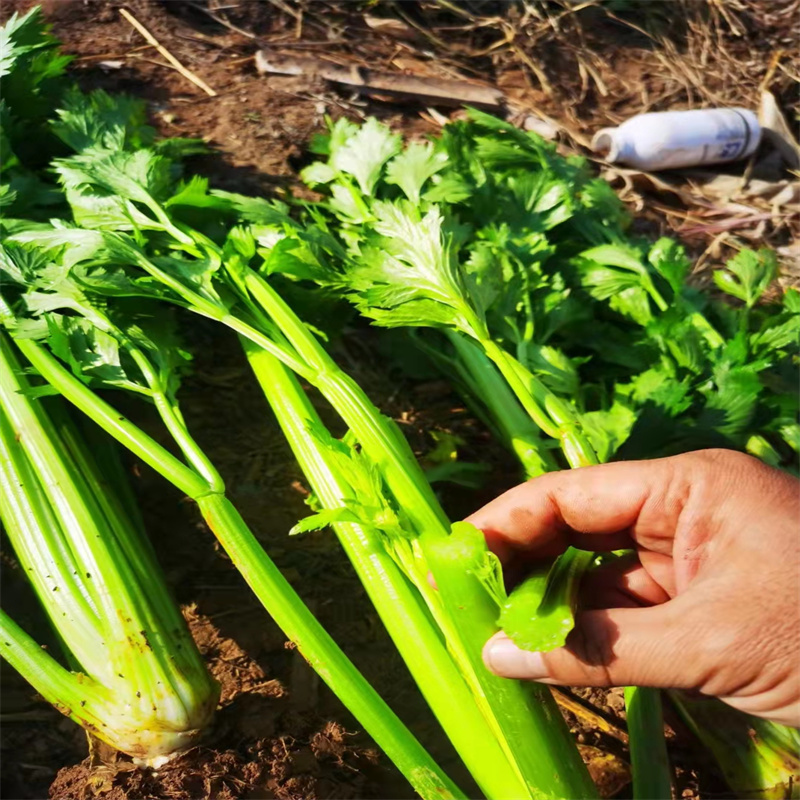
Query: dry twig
point(188, 74)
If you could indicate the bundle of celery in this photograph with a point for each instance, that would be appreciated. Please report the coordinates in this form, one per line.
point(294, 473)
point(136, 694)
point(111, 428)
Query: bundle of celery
point(555, 321)
point(134, 678)
point(76, 287)
point(541, 301)
point(131, 236)
point(75, 296)
point(128, 344)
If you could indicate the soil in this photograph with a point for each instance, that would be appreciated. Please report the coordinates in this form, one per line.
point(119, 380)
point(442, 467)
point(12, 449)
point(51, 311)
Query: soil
point(280, 733)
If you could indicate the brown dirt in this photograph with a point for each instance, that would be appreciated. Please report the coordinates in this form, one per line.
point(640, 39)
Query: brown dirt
point(279, 733)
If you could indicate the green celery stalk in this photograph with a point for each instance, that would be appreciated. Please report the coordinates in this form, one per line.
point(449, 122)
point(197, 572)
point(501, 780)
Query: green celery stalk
point(405, 618)
point(649, 759)
point(759, 759)
point(553, 415)
point(539, 613)
point(548, 762)
point(527, 717)
point(488, 387)
point(260, 572)
point(141, 685)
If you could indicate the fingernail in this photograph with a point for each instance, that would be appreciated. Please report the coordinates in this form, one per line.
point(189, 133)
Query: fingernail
point(504, 658)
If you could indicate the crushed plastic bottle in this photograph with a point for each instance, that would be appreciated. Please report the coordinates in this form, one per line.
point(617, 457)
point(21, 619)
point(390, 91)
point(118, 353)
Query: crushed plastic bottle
point(672, 139)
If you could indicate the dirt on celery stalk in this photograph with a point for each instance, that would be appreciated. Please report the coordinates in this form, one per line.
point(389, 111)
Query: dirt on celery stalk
point(279, 732)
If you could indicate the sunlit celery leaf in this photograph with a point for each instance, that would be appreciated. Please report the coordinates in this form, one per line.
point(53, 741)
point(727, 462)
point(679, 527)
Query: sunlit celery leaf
point(544, 195)
point(669, 260)
point(198, 274)
point(540, 612)
point(19, 264)
point(413, 167)
point(608, 430)
point(367, 502)
point(621, 288)
point(116, 280)
point(291, 256)
point(748, 274)
point(533, 144)
point(10, 226)
point(504, 146)
point(142, 176)
point(775, 333)
point(338, 133)
point(73, 246)
point(617, 277)
point(89, 338)
point(503, 269)
point(92, 354)
point(100, 120)
point(410, 273)
point(449, 188)
point(107, 212)
point(256, 209)
point(322, 519)
point(363, 153)
point(557, 371)
point(791, 300)
point(7, 195)
point(660, 386)
point(603, 215)
point(318, 173)
point(302, 252)
point(194, 193)
point(32, 72)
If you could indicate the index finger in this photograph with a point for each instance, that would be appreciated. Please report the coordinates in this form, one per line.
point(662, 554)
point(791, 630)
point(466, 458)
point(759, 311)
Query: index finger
point(605, 507)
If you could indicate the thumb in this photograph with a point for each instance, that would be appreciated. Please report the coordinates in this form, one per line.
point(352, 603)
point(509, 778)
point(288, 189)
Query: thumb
point(608, 647)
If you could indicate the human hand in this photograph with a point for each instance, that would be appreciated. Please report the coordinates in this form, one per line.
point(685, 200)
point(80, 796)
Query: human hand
point(712, 603)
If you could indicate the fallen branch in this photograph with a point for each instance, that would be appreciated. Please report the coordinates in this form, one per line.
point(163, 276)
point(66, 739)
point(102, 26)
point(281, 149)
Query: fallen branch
point(188, 74)
point(433, 90)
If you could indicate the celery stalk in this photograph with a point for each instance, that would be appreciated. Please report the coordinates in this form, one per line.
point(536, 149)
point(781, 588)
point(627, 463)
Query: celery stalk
point(511, 709)
point(488, 387)
point(405, 618)
point(649, 760)
point(269, 585)
point(142, 686)
point(759, 759)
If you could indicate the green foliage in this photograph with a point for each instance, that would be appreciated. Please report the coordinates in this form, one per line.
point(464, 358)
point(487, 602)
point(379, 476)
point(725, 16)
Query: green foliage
point(487, 232)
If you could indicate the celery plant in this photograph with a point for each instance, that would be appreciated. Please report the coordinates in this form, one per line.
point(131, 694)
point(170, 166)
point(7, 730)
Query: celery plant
point(97, 348)
point(540, 759)
point(138, 681)
point(758, 757)
point(487, 231)
point(167, 260)
point(408, 263)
